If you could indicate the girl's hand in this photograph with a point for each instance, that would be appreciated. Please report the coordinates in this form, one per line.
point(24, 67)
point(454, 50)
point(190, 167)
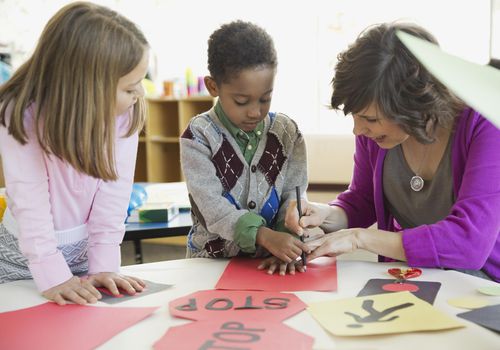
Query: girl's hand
point(112, 281)
point(313, 215)
point(273, 264)
point(282, 245)
point(76, 290)
point(333, 244)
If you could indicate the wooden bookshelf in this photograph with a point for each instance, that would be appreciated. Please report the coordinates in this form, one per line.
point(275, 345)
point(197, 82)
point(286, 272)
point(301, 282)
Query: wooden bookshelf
point(158, 157)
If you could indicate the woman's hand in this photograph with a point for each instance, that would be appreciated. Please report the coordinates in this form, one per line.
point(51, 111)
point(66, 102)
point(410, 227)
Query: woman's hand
point(313, 215)
point(112, 281)
point(273, 264)
point(333, 244)
point(389, 244)
point(76, 290)
point(282, 245)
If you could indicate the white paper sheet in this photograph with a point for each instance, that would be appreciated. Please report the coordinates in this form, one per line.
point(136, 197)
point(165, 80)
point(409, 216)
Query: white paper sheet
point(477, 85)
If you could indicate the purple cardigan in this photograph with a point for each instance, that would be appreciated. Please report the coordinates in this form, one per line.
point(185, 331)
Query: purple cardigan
point(468, 238)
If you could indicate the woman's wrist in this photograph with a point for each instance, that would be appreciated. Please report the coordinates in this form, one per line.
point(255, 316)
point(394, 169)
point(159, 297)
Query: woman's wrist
point(359, 238)
point(334, 218)
point(325, 210)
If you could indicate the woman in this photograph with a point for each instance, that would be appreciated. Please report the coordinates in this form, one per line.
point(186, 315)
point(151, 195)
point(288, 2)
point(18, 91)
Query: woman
point(426, 167)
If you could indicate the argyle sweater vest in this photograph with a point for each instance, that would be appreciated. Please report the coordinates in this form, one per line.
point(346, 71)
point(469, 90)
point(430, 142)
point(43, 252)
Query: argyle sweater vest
point(223, 187)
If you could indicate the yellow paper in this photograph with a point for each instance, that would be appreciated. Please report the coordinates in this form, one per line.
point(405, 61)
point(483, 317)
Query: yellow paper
point(476, 84)
point(380, 314)
point(490, 290)
point(468, 302)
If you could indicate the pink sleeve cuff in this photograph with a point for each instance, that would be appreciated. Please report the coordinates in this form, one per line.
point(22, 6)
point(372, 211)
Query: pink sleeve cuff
point(104, 258)
point(50, 272)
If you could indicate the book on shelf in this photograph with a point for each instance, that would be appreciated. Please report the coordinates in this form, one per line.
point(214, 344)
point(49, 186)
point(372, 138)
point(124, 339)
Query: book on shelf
point(153, 212)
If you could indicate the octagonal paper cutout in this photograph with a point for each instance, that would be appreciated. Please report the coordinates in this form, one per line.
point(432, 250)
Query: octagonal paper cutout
point(236, 304)
point(234, 334)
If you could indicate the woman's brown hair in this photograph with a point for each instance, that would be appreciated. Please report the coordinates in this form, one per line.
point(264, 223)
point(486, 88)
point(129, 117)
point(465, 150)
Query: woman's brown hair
point(71, 82)
point(378, 68)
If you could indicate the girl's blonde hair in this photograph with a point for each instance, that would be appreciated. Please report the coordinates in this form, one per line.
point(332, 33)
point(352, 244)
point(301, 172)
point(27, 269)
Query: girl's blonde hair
point(71, 81)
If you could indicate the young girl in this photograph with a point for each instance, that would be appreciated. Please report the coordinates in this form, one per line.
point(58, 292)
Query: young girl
point(68, 141)
point(426, 170)
point(241, 162)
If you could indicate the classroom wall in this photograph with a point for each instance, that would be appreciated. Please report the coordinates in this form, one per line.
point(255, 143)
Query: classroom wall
point(330, 158)
point(308, 37)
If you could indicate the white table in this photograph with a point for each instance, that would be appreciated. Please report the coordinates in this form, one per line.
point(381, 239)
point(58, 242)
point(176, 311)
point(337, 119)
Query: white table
point(190, 275)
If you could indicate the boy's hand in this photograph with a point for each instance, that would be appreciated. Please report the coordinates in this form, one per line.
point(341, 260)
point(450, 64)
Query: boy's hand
point(282, 245)
point(313, 215)
point(273, 264)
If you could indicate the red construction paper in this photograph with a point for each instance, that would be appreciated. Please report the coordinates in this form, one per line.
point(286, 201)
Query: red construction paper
point(242, 274)
point(237, 305)
point(50, 326)
point(231, 334)
point(400, 287)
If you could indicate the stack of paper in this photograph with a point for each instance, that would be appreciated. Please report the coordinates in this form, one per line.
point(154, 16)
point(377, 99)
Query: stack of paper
point(173, 192)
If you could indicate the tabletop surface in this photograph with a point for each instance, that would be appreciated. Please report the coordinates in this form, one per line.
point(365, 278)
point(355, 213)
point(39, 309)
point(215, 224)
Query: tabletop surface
point(191, 275)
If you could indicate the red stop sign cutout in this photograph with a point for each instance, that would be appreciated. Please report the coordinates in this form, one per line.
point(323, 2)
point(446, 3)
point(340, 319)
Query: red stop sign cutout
point(233, 334)
point(236, 304)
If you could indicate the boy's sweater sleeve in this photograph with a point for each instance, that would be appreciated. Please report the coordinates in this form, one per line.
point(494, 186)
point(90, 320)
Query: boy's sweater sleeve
point(245, 234)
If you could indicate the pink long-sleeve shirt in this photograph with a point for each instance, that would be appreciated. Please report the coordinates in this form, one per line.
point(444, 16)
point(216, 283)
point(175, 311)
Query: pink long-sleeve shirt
point(46, 195)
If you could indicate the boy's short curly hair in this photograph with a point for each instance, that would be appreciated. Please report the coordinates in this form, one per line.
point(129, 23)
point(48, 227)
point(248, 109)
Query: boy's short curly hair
point(236, 46)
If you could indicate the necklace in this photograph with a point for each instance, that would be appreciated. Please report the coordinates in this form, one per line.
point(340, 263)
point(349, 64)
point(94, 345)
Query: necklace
point(417, 182)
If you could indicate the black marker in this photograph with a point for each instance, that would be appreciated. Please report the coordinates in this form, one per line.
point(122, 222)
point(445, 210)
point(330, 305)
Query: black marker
point(299, 209)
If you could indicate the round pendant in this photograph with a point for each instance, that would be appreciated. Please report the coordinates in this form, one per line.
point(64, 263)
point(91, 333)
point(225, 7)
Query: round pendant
point(416, 183)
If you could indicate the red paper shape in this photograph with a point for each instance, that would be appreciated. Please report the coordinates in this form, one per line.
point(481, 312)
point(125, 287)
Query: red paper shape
point(231, 334)
point(50, 326)
point(236, 304)
point(424, 290)
point(242, 274)
point(404, 274)
point(400, 287)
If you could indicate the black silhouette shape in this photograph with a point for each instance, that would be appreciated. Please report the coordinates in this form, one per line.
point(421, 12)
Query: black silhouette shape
point(374, 315)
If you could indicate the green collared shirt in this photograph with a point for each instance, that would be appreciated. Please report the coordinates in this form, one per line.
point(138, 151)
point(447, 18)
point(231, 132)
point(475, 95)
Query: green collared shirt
point(246, 140)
